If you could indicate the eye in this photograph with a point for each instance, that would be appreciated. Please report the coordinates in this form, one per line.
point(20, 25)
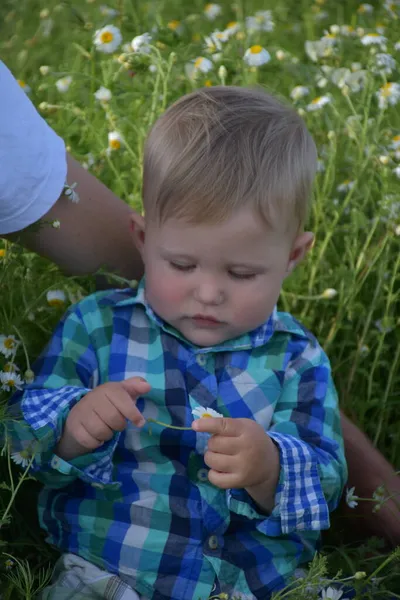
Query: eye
point(243, 276)
point(182, 267)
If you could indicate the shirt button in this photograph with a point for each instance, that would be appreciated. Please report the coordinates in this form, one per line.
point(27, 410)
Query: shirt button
point(202, 474)
point(213, 542)
point(201, 359)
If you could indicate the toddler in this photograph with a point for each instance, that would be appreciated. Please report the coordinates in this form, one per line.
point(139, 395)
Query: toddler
point(144, 499)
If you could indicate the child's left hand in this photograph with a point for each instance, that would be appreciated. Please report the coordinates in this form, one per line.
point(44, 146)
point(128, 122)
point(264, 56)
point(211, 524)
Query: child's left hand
point(240, 454)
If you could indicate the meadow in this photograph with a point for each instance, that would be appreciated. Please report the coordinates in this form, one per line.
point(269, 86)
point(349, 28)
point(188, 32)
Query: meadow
point(101, 75)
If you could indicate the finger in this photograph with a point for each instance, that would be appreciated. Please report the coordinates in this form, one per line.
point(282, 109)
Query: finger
point(224, 481)
point(111, 416)
point(223, 444)
point(85, 439)
point(221, 426)
point(127, 407)
point(220, 462)
point(96, 427)
point(135, 386)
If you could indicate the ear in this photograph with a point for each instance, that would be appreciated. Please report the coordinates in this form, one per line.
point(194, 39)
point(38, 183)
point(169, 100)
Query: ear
point(138, 229)
point(300, 247)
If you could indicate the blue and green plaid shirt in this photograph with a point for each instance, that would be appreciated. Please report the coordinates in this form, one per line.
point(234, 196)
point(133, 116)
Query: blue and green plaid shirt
point(141, 505)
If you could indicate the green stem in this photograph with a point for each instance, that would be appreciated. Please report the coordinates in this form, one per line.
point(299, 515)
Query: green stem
point(170, 426)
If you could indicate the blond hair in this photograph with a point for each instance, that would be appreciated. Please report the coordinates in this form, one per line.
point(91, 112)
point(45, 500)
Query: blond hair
point(221, 148)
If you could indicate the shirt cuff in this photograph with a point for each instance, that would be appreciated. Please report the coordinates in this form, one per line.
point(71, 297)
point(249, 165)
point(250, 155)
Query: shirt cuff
point(300, 503)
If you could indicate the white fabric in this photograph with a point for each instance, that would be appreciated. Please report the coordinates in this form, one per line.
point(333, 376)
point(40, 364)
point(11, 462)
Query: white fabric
point(33, 164)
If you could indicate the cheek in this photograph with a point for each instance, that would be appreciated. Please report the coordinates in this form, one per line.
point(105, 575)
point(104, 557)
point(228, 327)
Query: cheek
point(164, 289)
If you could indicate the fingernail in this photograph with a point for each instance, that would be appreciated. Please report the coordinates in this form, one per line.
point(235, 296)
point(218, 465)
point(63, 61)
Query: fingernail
point(141, 422)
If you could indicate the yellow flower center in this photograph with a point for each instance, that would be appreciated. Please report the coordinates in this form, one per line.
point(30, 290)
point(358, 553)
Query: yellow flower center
point(206, 416)
point(115, 144)
point(316, 100)
point(106, 37)
point(21, 83)
point(256, 49)
point(346, 182)
point(174, 24)
point(208, 83)
point(396, 138)
point(197, 62)
point(219, 35)
point(208, 7)
point(374, 35)
point(11, 382)
point(2, 252)
point(55, 302)
point(386, 89)
point(8, 368)
point(231, 24)
point(9, 343)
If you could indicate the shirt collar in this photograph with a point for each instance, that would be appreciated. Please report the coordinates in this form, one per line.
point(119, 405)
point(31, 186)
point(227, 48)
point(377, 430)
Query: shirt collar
point(253, 339)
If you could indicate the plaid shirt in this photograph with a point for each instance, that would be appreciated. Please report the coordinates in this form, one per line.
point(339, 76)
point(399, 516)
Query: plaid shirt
point(141, 505)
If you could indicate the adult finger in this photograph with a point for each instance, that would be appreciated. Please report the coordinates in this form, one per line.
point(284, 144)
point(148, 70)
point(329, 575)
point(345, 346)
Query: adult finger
point(218, 426)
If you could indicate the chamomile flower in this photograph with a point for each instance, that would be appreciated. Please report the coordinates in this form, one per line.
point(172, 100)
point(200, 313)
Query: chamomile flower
point(212, 44)
point(114, 140)
point(365, 9)
point(212, 11)
point(56, 298)
point(199, 65)
point(262, 21)
point(10, 381)
point(395, 145)
point(44, 70)
point(331, 594)
point(329, 293)
point(318, 103)
point(374, 39)
point(200, 413)
point(255, 56)
point(107, 39)
point(103, 95)
point(345, 186)
point(70, 193)
point(141, 43)
point(22, 458)
point(318, 49)
point(63, 84)
point(385, 63)
point(351, 498)
point(24, 86)
point(8, 345)
point(388, 94)
point(232, 28)
point(298, 92)
point(176, 26)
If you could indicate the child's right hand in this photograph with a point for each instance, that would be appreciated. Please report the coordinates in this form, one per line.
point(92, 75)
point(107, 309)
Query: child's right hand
point(93, 420)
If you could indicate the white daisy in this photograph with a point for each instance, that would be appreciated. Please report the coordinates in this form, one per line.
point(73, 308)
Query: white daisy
point(22, 458)
point(176, 26)
point(56, 298)
point(331, 594)
point(11, 381)
point(212, 43)
point(200, 413)
point(374, 39)
point(56, 224)
point(69, 192)
point(255, 56)
point(63, 84)
point(141, 43)
point(351, 498)
point(365, 9)
point(44, 69)
point(318, 49)
point(262, 21)
point(212, 11)
point(199, 65)
point(114, 140)
point(232, 28)
point(345, 186)
point(347, 30)
point(385, 63)
point(8, 345)
point(329, 293)
point(107, 39)
point(318, 103)
point(388, 94)
point(24, 86)
point(103, 94)
point(395, 145)
point(299, 91)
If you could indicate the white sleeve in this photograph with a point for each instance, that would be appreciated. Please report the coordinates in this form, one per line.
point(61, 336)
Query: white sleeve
point(33, 165)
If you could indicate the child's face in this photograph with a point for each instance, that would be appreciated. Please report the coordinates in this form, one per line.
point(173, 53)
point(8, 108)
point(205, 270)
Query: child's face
point(216, 282)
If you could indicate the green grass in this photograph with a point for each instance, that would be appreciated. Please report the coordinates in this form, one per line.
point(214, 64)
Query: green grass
point(356, 251)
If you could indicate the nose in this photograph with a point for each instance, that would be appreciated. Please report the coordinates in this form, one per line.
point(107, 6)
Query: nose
point(209, 292)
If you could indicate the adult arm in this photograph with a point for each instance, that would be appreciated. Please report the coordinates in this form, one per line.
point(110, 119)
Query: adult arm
point(93, 233)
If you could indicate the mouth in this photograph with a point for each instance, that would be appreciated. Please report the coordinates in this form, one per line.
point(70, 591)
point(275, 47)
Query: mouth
point(205, 321)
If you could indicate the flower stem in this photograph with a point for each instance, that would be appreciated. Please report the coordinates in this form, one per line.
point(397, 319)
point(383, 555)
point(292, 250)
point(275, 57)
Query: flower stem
point(170, 426)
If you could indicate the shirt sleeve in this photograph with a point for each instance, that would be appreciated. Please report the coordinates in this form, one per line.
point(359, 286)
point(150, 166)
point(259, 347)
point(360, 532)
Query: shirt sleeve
point(67, 370)
point(306, 429)
point(33, 165)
